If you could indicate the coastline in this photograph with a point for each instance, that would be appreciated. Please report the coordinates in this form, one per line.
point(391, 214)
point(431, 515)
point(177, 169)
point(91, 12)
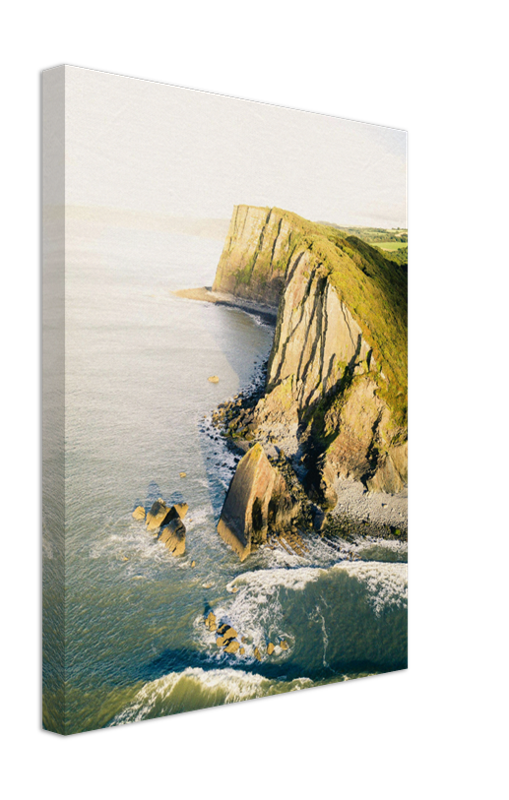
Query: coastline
point(205, 294)
point(378, 511)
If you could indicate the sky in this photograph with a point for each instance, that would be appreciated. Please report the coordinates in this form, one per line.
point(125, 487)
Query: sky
point(144, 146)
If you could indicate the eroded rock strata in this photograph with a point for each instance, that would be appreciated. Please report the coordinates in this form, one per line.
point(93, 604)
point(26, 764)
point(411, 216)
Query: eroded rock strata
point(336, 388)
point(258, 500)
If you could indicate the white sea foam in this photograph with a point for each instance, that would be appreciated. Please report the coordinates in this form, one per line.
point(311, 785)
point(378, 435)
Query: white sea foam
point(316, 615)
point(259, 611)
point(386, 584)
point(214, 686)
point(267, 582)
point(197, 516)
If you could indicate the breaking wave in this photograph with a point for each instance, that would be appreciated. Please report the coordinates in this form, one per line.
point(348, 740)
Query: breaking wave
point(196, 688)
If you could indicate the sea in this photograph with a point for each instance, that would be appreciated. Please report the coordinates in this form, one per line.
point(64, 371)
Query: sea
point(138, 408)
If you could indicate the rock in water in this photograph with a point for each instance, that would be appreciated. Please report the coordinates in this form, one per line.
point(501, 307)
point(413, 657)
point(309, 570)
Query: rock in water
point(210, 621)
point(173, 536)
point(270, 649)
point(181, 509)
point(157, 515)
point(139, 513)
point(258, 496)
point(168, 519)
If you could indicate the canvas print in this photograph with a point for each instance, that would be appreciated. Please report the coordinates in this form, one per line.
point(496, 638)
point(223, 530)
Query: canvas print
point(224, 400)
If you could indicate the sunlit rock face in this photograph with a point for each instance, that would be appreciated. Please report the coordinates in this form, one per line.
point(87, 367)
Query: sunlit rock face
point(257, 501)
point(336, 377)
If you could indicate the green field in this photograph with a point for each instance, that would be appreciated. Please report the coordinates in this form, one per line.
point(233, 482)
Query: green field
point(391, 245)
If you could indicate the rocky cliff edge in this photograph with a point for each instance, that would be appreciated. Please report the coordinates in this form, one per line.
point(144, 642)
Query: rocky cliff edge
point(336, 390)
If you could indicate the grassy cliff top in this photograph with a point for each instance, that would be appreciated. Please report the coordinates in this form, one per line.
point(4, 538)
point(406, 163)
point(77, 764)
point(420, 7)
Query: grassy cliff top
point(372, 284)
point(375, 290)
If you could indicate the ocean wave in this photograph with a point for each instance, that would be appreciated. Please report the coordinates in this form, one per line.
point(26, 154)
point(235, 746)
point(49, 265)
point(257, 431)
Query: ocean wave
point(328, 617)
point(197, 688)
point(386, 584)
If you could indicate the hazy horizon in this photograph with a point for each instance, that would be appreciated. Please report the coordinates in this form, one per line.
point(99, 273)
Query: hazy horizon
point(147, 147)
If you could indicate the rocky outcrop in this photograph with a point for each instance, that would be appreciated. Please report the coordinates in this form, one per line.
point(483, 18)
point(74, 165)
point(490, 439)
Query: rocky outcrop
point(255, 255)
point(167, 520)
point(157, 515)
point(173, 535)
point(336, 382)
point(362, 443)
point(258, 500)
point(226, 636)
point(316, 337)
point(317, 344)
point(139, 513)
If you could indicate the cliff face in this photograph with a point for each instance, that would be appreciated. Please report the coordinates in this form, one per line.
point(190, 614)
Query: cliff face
point(255, 255)
point(337, 371)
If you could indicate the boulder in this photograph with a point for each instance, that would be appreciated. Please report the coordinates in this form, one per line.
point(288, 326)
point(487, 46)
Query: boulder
point(183, 474)
point(230, 633)
point(139, 513)
point(242, 651)
point(257, 497)
point(181, 509)
point(232, 647)
point(169, 520)
point(213, 379)
point(283, 644)
point(157, 515)
point(220, 641)
point(257, 654)
point(270, 649)
point(210, 620)
point(173, 536)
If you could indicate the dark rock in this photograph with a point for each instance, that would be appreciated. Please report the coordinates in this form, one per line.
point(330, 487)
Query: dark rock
point(157, 515)
point(160, 514)
point(173, 536)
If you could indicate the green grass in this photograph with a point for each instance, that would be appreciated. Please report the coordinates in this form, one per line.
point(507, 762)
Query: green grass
point(391, 245)
point(375, 290)
point(371, 281)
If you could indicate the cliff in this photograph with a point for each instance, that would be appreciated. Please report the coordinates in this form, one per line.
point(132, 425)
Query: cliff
point(259, 244)
point(336, 391)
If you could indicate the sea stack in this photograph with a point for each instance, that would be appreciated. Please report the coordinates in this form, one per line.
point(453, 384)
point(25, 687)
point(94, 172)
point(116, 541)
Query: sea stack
point(168, 521)
point(258, 499)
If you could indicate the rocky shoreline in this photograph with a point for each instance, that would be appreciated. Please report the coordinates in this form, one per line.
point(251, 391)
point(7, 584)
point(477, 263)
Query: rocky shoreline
point(357, 511)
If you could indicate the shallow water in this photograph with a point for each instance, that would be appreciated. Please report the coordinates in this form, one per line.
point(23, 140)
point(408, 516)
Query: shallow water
point(138, 407)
